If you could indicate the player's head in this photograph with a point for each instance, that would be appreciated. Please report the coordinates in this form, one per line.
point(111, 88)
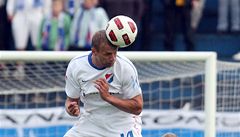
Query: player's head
point(104, 53)
point(169, 135)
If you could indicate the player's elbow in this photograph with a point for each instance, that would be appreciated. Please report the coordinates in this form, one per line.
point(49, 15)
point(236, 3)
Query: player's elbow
point(138, 107)
point(138, 110)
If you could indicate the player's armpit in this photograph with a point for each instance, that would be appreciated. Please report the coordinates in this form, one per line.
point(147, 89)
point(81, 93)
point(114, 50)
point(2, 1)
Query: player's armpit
point(72, 106)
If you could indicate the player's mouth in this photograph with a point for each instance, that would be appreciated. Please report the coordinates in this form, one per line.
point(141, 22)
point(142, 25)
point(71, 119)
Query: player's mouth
point(109, 64)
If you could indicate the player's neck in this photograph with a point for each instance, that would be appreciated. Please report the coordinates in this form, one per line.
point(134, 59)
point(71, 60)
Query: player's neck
point(96, 63)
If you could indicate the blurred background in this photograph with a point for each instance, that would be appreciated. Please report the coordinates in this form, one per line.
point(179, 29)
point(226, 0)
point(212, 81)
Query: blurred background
point(164, 25)
point(33, 92)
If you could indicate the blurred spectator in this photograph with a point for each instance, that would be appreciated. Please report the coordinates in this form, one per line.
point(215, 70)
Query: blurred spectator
point(54, 31)
point(71, 6)
point(196, 13)
point(87, 20)
point(224, 7)
point(130, 8)
point(26, 16)
point(178, 14)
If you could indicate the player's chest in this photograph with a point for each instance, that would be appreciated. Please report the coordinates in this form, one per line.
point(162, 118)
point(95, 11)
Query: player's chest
point(87, 80)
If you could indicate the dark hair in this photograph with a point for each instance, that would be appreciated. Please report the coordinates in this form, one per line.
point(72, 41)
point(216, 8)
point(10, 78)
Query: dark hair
point(99, 39)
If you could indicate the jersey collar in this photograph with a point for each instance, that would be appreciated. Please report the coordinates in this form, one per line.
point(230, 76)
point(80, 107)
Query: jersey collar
point(91, 63)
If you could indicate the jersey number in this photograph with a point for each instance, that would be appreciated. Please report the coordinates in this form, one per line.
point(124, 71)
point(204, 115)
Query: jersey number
point(129, 134)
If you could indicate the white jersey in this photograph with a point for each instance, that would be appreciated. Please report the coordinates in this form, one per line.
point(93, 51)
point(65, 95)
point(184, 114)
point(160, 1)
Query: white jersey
point(123, 83)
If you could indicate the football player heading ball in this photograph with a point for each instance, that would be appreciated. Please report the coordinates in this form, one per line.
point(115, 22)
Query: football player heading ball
point(107, 85)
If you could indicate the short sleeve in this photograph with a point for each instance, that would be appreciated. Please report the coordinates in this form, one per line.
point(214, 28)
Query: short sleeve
point(131, 86)
point(72, 87)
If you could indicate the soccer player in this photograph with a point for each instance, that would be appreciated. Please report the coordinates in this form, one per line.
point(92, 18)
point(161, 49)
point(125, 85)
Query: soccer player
point(107, 84)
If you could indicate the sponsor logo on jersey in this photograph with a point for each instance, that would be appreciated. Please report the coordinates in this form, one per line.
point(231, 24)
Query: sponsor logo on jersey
point(109, 77)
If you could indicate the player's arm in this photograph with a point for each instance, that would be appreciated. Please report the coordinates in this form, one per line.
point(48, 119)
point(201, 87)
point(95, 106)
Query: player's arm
point(133, 105)
point(72, 91)
point(72, 106)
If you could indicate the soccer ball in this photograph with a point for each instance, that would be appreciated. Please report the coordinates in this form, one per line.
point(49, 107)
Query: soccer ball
point(121, 31)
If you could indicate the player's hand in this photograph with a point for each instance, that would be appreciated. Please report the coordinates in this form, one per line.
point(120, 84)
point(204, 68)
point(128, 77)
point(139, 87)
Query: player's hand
point(73, 109)
point(103, 87)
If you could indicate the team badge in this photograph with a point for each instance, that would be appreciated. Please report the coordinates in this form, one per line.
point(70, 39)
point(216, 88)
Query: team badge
point(109, 77)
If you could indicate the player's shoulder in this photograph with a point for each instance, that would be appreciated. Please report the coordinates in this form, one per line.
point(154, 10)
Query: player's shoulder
point(79, 59)
point(123, 59)
point(125, 62)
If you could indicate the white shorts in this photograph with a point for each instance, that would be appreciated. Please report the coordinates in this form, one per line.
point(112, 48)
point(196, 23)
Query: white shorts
point(87, 127)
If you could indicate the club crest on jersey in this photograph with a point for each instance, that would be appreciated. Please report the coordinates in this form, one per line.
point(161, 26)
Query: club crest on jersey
point(109, 77)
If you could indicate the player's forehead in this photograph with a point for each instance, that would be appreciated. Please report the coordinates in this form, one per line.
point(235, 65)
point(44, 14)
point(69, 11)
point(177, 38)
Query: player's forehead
point(108, 48)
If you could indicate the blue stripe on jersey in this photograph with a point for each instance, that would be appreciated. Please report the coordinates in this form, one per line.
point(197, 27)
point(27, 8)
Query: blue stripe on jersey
point(91, 63)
